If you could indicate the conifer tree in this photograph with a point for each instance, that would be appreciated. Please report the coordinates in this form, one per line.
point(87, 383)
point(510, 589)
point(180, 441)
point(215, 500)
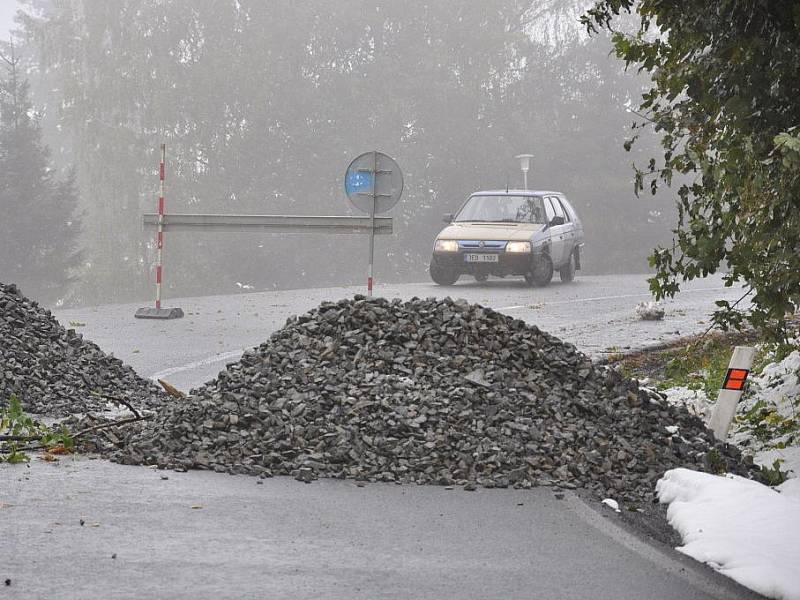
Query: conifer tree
point(38, 225)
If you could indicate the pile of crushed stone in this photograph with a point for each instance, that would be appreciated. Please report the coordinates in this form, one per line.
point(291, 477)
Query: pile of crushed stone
point(54, 371)
point(428, 391)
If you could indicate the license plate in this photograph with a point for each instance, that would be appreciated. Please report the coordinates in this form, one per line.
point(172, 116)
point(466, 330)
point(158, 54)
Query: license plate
point(481, 258)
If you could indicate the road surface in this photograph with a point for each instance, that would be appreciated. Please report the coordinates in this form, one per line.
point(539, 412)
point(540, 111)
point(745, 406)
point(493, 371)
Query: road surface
point(157, 534)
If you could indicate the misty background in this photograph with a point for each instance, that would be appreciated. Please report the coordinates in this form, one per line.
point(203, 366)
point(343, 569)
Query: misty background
point(262, 105)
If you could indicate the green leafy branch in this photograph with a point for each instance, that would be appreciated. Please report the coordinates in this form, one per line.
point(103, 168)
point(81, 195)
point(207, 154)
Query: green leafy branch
point(19, 430)
point(20, 433)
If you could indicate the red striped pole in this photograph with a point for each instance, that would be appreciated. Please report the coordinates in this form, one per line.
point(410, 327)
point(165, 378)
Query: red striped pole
point(160, 234)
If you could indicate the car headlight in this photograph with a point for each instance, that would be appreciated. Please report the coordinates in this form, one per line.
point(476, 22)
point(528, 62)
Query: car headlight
point(518, 247)
point(446, 246)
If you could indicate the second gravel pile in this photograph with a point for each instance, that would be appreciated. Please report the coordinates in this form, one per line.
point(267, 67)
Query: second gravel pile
point(428, 391)
point(53, 370)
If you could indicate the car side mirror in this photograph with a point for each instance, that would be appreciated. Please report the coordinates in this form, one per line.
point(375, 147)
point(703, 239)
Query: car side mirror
point(448, 217)
point(557, 220)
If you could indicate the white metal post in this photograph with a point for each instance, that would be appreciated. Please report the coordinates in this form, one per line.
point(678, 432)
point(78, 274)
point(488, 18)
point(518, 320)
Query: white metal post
point(732, 388)
point(372, 220)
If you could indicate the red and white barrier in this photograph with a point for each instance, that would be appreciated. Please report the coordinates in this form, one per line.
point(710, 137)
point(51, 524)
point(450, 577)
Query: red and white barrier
point(160, 231)
point(158, 312)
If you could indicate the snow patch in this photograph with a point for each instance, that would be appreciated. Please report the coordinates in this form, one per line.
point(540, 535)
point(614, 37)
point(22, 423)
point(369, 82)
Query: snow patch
point(695, 401)
point(741, 528)
point(611, 503)
point(790, 457)
point(650, 311)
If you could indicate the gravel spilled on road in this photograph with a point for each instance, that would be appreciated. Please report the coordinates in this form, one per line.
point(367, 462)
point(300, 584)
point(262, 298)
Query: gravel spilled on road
point(53, 370)
point(428, 391)
point(424, 391)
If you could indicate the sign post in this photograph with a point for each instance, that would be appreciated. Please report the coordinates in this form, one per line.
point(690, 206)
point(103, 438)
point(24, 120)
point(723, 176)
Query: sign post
point(373, 183)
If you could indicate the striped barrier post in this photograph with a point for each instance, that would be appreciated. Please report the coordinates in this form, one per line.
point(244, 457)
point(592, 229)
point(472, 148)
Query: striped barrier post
point(158, 312)
point(731, 391)
point(160, 232)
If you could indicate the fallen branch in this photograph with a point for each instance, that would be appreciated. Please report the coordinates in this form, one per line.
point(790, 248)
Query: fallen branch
point(120, 400)
point(19, 438)
point(111, 424)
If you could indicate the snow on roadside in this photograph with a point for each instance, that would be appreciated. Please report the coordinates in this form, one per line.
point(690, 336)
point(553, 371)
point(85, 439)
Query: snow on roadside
point(741, 528)
point(695, 401)
point(775, 393)
point(790, 458)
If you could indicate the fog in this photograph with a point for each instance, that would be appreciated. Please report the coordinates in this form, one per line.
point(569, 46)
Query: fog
point(262, 105)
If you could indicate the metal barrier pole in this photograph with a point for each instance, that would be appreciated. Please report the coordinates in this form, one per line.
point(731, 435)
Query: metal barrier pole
point(158, 312)
point(160, 234)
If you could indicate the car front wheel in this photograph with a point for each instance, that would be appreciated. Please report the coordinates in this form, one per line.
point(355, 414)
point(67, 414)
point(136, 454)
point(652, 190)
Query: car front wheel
point(443, 275)
point(542, 271)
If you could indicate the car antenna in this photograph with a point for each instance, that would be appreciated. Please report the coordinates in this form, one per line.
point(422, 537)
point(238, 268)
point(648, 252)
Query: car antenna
point(506, 184)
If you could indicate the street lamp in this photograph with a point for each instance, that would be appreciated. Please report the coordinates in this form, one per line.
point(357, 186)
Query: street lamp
point(525, 165)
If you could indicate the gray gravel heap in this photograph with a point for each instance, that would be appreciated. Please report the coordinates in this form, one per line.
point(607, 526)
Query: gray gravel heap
point(53, 370)
point(427, 391)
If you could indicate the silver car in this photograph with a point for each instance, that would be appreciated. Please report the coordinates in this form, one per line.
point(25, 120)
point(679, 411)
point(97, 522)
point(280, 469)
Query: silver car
point(509, 232)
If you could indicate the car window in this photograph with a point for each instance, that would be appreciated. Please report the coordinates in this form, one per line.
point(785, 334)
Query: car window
point(564, 209)
point(548, 206)
point(501, 208)
point(557, 207)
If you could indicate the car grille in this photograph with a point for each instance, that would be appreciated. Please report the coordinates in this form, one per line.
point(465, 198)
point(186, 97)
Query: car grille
point(482, 244)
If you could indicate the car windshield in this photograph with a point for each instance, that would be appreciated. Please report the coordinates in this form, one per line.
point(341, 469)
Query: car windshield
point(503, 209)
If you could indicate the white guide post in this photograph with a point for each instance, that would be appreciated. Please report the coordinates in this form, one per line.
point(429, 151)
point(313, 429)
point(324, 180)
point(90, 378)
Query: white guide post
point(731, 391)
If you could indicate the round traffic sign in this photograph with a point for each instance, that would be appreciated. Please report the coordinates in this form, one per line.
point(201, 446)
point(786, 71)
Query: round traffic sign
point(373, 181)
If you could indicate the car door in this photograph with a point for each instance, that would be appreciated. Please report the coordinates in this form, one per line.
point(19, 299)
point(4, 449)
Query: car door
point(552, 208)
point(569, 231)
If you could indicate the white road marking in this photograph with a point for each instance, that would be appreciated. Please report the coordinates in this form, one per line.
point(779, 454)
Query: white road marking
point(596, 298)
point(197, 364)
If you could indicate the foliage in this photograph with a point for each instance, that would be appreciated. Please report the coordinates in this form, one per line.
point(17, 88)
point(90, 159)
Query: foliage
point(723, 96)
point(774, 475)
point(715, 462)
point(39, 226)
point(766, 423)
point(701, 366)
point(14, 422)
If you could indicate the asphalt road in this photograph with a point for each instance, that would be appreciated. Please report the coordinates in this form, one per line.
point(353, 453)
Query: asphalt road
point(142, 538)
point(203, 535)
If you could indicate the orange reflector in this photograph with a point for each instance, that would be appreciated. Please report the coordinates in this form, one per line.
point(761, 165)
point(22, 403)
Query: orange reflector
point(734, 379)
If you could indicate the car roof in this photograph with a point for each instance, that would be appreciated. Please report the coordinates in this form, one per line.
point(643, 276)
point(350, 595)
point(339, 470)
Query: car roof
point(514, 193)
